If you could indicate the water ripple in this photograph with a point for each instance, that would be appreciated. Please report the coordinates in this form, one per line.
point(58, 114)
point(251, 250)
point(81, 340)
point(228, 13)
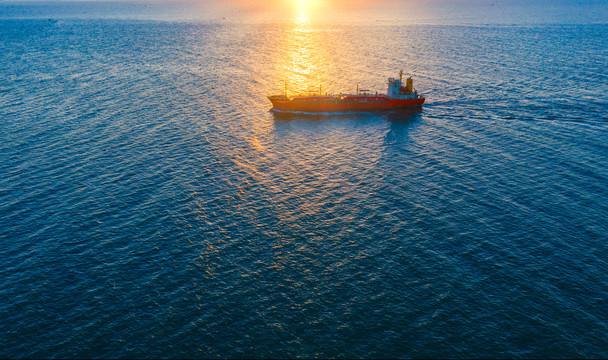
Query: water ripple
point(152, 206)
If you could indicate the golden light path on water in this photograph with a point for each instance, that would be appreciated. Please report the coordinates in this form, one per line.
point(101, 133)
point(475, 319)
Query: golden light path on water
point(311, 54)
point(304, 60)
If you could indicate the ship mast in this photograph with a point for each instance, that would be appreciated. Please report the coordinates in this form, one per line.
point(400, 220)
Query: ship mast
point(401, 75)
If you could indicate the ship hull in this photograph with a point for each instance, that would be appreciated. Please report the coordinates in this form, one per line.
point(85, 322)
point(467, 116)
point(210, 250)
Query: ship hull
point(287, 105)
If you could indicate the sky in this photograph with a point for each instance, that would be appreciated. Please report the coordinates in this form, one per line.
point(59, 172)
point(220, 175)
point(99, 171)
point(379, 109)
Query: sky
point(323, 11)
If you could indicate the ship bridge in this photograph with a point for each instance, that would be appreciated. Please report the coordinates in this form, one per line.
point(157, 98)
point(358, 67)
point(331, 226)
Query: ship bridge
point(396, 90)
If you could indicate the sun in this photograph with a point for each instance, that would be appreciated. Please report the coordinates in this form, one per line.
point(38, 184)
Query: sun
point(306, 8)
point(307, 4)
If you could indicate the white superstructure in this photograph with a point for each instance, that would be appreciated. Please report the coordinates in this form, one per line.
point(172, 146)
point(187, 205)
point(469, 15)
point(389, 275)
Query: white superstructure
point(396, 90)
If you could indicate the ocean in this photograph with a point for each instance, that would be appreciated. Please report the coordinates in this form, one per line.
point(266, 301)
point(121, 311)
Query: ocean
point(152, 206)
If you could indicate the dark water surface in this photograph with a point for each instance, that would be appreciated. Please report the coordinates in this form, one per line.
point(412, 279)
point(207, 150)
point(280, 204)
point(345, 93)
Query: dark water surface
point(152, 206)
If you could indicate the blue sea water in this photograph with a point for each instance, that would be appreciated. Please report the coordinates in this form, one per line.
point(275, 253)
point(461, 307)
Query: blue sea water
point(152, 206)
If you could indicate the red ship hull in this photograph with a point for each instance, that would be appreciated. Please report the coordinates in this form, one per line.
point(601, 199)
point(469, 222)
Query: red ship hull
point(342, 106)
point(397, 96)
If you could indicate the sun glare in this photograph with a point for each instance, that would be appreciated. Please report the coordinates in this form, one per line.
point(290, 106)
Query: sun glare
point(304, 9)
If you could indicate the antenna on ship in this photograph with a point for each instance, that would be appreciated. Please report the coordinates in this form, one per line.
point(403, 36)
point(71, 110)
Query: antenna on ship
point(401, 75)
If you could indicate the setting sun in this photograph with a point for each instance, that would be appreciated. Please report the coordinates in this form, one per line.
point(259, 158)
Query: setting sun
point(304, 9)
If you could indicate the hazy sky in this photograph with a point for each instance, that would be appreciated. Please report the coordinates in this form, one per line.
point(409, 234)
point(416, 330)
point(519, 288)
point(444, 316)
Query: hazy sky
point(358, 11)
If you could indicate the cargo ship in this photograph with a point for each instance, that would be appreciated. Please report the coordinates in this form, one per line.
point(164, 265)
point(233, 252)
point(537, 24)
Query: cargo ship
point(397, 96)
